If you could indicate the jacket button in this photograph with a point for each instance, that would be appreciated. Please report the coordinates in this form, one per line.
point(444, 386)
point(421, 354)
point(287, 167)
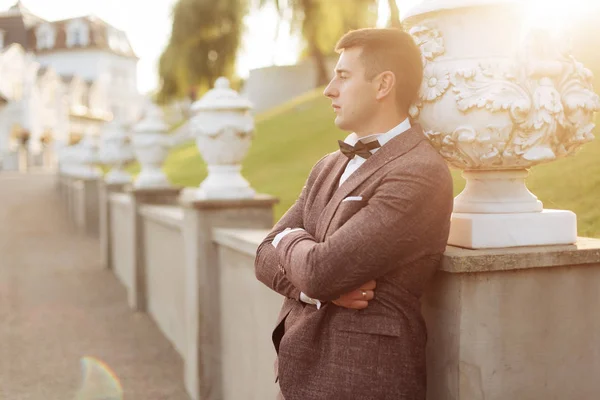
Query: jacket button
point(281, 269)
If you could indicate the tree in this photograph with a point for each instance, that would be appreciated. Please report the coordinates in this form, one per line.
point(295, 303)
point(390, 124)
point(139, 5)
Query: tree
point(310, 28)
point(204, 42)
point(394, 15)
point(322, 22)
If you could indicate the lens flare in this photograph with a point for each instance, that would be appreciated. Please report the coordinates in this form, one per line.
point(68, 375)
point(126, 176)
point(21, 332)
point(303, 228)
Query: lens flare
point(557, 15)
point(99, 381)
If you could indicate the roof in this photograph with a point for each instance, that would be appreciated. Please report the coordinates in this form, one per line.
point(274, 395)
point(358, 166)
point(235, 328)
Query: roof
point(102, 36)
point(29, 18)
point(19, 25)
point(16, 22)
point(14, 31)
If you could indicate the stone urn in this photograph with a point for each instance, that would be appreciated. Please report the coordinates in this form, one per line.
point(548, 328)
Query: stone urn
point(151, 147)
point(499, 97)
point(83, 159)
point(116, 152)
point(223, 128)
point(64, 159)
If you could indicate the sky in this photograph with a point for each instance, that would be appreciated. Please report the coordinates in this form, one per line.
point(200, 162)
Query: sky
point(148, 26)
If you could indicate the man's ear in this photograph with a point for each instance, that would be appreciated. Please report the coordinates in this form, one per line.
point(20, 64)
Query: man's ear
point(386, 82)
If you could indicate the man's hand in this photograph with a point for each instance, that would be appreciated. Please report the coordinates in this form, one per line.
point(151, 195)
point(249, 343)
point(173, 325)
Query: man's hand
point(357, 299)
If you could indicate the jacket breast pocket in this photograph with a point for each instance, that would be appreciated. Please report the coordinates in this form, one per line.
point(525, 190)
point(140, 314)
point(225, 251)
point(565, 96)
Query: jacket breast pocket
point(345, 211)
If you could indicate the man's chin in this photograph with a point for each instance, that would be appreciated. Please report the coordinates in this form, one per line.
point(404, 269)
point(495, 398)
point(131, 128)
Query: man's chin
point(342, 125)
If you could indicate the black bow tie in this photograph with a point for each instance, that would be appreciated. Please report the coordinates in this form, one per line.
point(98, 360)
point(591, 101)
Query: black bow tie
point(359, 149)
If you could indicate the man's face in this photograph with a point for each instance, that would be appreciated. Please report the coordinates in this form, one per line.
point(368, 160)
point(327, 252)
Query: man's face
point(352, 96)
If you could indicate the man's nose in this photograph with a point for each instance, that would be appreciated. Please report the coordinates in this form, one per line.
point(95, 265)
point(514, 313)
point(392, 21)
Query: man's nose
point(329, 91)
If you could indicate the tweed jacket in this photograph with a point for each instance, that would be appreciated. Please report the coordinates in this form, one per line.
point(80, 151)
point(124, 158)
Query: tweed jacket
point(396, 234)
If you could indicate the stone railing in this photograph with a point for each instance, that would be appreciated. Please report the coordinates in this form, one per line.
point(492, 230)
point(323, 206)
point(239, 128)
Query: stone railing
point(164, 275)
point(248, 312)
point(508, 322)
point(121, 221)
point(503, 322)
point(185, 275)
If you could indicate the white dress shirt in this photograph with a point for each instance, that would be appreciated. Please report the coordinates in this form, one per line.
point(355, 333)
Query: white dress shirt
point(383, 138)
point(351, 167)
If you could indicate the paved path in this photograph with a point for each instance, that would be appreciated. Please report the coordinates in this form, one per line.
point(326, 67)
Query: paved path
point(58, 305)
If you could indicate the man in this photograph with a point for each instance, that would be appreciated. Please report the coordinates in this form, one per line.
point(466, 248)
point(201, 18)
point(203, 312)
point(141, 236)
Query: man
point(353, 254)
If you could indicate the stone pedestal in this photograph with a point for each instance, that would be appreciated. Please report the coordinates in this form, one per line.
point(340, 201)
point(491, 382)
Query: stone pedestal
point(91, 211)
point(496, 210)
point(203, 376)
point(515, 323)
point(485, 231)
point(83, 204)
point(68, 196)
point(71, 197)
point(137, 296)
point(77, 205)
point(104, 214)
point(62, 183)
point(10, 161)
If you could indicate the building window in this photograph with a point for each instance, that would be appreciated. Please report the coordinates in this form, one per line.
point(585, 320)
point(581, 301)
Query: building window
point(77, 38)
point(78, 34)
point(45, 36)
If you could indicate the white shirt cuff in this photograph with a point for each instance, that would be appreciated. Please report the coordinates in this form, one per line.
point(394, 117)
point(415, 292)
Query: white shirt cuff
point(304, 298)
point(282, 234)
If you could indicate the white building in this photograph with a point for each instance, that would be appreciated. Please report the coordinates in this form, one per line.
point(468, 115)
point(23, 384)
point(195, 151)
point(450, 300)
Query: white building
point(61, 80)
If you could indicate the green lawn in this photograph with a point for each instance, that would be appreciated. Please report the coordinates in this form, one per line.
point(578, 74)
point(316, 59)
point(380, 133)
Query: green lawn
point(291, 138)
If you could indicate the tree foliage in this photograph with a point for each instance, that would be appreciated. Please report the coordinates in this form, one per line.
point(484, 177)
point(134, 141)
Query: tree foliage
point(206, 36)
point(322, 22)
point(204, 42)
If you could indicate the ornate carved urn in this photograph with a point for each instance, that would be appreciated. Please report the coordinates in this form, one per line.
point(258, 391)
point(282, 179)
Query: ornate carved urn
point(116, 151)
point(499, 97)
point(223, 128)
point(82, 159)
point(151, 148)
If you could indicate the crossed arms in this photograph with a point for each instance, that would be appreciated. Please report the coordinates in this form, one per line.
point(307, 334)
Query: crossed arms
point(385, 234)
point(400, 224)
point(390, 231)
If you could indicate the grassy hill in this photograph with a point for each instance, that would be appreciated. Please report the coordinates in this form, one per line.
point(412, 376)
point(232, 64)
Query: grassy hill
point(291, 138)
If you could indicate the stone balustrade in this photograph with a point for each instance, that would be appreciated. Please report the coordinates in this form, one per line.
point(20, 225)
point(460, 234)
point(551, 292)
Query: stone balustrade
point(503, 323)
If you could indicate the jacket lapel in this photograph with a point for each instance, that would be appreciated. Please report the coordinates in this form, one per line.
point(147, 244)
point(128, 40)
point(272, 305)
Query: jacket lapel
point(327, 187)
point(395, 148)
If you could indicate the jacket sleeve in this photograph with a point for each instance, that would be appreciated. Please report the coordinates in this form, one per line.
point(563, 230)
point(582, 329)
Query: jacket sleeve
point(405, 219)
point(266, 265)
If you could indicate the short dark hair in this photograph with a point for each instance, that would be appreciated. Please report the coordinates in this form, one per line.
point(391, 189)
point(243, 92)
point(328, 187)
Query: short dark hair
point(389, 49)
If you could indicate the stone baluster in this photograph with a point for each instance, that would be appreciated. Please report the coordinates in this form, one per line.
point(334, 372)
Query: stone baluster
point(151, 147)
point(116, 152)
point(223, 128)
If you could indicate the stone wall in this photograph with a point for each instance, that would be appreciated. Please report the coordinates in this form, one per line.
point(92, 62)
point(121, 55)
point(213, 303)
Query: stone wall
point(271, 86)
point(502, 323)
point(165, 270)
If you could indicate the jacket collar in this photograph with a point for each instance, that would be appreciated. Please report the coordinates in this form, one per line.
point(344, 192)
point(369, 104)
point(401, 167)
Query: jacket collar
point(382, 138)
point(396, 147)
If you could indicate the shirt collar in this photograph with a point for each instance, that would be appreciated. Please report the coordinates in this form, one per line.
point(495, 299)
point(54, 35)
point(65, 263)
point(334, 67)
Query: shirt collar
point(383, 138)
